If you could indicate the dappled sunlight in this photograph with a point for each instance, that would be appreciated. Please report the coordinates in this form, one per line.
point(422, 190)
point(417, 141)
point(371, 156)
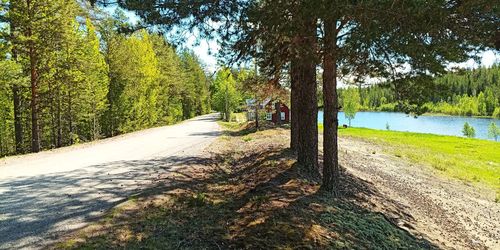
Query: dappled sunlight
point(86, 196)
point(253, 195)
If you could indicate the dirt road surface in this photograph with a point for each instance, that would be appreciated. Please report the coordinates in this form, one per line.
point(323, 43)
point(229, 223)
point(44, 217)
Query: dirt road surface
point(45, 195)
point(454, 214)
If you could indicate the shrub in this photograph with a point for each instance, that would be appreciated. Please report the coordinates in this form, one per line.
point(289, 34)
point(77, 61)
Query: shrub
point(247, 138)
point(493, 131)
point(496, 113)
point(388, 107)
point(469, 131)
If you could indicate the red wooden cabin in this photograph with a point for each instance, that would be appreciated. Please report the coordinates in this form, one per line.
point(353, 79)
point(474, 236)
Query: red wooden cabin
point(285, 114)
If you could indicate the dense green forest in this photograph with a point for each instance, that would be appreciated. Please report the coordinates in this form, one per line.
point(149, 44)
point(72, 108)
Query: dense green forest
point(466, 93)
point(69, 75)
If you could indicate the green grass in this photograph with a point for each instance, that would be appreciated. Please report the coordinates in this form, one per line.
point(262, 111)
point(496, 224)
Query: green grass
point(236, 120)
point(238, 117)
point(471, 160)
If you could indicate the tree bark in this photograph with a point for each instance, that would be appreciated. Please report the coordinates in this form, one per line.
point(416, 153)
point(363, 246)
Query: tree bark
point(307, 113)
point(70, 117)
point(331, 170)
point(35, 129)
point(294, 126)
point(1, 145)
point(18, 126)
point(59, 119)
point(227, 114)
point(53, 116)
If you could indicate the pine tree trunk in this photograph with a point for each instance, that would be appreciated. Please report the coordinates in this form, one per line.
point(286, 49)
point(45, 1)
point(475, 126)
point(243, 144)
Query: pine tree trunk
point(331, 170)
point(70, 118)
point(53, 116)
point(59, 119)
point(18, 126)
point(307, 113)
point(35, 129)
point(95, 132)
point(294, 126)
point(1, 145)
point(226, 106)
point(277, 106)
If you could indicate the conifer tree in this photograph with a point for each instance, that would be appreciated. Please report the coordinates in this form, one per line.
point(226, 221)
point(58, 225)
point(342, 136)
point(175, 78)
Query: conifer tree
point(79, 82)
point(11, 74)
point(170, 81)
point(195, 92)
point(39, 30)
point(95, 71)
point(134, 76)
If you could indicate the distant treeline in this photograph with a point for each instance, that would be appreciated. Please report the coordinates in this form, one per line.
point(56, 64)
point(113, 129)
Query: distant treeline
point(467, 93)
point(68, 75)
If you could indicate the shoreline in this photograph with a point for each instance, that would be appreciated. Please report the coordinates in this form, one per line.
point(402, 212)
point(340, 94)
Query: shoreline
point(427, 114)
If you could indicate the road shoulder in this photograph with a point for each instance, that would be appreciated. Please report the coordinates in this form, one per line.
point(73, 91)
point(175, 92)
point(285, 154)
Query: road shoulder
point(247, 192)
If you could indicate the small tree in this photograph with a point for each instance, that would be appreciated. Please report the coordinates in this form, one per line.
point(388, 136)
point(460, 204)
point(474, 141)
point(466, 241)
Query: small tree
point(468, 130)
point(351, 102)
point(493, 131)
point(225, 98)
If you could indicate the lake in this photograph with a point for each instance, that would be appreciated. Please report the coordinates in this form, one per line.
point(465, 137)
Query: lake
point(441, 125)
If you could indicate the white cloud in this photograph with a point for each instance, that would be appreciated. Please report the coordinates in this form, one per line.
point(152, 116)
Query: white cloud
point(488, 58)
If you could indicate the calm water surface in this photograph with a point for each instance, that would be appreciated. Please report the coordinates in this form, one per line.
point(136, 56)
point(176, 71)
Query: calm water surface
point(441, 125)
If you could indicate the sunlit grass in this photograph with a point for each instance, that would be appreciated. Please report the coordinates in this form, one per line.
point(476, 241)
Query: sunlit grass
point(235, 123)
point(471, 160)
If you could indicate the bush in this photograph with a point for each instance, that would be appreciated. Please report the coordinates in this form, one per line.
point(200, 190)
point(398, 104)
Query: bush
point(496, 112)
point(388, 107)
point(493, 131)
point(469, 131)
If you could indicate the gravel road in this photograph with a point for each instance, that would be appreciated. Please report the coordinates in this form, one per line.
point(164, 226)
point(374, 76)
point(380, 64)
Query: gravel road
point(452, 213)
point(45, 195)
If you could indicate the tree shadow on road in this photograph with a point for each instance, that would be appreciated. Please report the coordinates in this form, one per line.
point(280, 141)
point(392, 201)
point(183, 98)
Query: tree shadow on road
point(38, 209)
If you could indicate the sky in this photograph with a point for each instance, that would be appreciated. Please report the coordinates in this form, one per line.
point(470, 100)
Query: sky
point(207, 51)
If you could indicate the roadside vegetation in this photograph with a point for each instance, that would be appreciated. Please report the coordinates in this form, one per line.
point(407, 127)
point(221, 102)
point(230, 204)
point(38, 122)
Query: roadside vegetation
point(247, 193)
point(471, 160)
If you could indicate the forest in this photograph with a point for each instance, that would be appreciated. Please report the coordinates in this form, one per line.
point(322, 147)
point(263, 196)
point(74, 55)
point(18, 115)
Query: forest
point(472, 92)
point(69, 74)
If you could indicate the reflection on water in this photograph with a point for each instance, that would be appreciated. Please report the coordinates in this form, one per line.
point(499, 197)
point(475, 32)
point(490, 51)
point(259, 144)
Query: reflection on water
point(441, 125)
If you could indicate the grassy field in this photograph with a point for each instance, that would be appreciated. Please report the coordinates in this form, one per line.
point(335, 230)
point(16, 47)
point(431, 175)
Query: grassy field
point(471, 160)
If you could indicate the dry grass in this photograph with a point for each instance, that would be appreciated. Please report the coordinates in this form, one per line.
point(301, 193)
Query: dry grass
point(250, 194)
